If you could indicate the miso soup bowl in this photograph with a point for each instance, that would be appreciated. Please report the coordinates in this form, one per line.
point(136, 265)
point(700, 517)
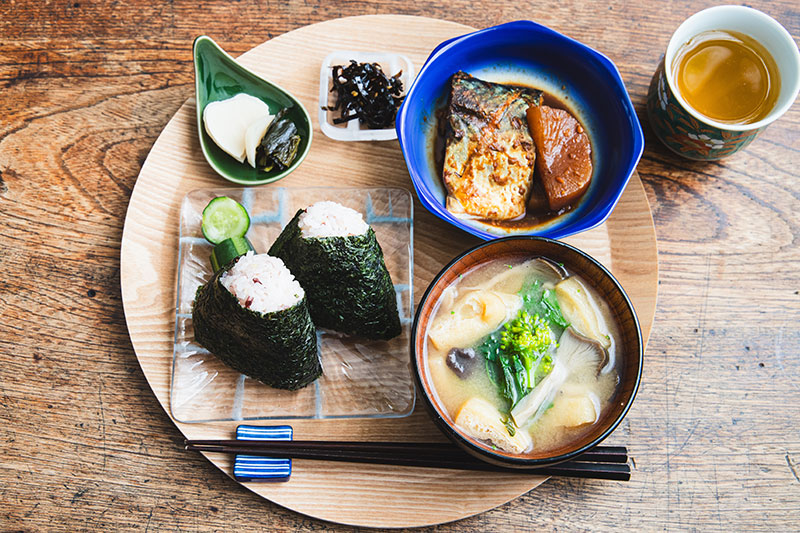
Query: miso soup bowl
point(593, 273)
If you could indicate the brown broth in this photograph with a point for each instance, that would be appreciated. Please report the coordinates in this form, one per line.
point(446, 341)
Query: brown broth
point(533, 217)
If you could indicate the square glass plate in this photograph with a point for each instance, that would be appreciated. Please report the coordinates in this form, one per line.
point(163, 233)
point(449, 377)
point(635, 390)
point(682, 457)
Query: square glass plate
point(361, 378)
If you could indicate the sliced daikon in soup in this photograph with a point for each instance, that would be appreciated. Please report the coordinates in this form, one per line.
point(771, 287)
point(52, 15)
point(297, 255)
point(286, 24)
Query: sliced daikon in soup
point(573, 409)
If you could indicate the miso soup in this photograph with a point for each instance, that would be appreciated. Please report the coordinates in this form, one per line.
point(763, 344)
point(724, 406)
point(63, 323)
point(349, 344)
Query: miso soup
point(522, 354)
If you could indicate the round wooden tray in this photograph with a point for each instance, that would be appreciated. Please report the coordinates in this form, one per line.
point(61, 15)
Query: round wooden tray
point(367, 495)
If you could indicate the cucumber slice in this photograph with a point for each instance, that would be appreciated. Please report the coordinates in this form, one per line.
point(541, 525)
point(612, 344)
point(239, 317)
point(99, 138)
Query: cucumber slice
point(224, 218)
point(228, 250)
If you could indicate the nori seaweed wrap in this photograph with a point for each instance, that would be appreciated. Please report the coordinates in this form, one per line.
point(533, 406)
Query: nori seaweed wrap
point(345, 278)
point(278, 348)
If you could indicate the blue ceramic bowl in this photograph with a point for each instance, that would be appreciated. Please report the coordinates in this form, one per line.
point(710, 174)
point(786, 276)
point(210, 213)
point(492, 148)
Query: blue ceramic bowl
point(526, 53)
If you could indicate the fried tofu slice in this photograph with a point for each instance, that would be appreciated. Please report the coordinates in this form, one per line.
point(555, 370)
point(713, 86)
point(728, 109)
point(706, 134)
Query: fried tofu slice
point(481, 420)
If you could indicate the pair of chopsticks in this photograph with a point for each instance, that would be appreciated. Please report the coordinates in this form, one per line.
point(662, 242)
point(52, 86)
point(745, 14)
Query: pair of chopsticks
point(601, 462)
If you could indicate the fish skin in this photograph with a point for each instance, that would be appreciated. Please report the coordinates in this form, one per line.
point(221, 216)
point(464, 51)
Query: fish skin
point(489, 152)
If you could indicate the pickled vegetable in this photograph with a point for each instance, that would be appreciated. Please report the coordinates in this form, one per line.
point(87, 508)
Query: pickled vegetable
point(279, 146)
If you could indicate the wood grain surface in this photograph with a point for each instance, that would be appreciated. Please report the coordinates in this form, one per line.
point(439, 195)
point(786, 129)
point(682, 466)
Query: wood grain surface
point(88, 86)
point(626, 244)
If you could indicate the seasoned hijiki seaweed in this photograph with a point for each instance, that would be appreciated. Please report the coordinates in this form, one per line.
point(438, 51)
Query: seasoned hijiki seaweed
point(365, 93)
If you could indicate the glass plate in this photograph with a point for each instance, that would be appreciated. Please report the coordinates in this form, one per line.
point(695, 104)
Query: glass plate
point(361, 378)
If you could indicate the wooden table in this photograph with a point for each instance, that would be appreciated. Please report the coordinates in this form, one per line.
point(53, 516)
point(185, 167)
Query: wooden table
point(87, 87)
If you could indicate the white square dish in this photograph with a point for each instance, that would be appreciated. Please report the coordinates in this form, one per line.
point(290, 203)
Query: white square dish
point(353, 131)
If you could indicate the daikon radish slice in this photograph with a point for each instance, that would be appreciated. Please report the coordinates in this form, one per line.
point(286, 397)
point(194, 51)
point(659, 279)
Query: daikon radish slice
point(226, 122)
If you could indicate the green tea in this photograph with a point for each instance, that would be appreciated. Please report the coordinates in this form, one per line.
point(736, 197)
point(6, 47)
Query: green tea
point(727, 76)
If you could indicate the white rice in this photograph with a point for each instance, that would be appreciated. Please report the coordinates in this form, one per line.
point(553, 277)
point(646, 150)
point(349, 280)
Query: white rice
point(329, 219)
point(262, 283)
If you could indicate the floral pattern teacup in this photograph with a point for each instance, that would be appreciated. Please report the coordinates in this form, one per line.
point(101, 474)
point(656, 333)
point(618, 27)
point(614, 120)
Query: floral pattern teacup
point(692, 135)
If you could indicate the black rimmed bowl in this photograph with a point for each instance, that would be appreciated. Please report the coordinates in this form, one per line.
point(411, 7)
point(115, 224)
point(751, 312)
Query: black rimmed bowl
point(592, 272)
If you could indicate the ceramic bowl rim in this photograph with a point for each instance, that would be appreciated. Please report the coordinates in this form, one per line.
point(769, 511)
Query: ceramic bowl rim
point(486, 454)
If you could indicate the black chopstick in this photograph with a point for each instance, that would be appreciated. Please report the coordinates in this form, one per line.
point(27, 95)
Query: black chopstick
point(600, 454)
point(602, 462)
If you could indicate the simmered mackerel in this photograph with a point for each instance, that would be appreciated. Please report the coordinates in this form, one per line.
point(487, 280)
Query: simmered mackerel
point(489, 154)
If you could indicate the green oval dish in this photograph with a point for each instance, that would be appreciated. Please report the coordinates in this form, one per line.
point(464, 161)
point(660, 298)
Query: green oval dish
point(217, 77)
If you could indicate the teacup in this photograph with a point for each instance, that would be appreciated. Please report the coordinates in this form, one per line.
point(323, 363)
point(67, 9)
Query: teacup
point(683, 129)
